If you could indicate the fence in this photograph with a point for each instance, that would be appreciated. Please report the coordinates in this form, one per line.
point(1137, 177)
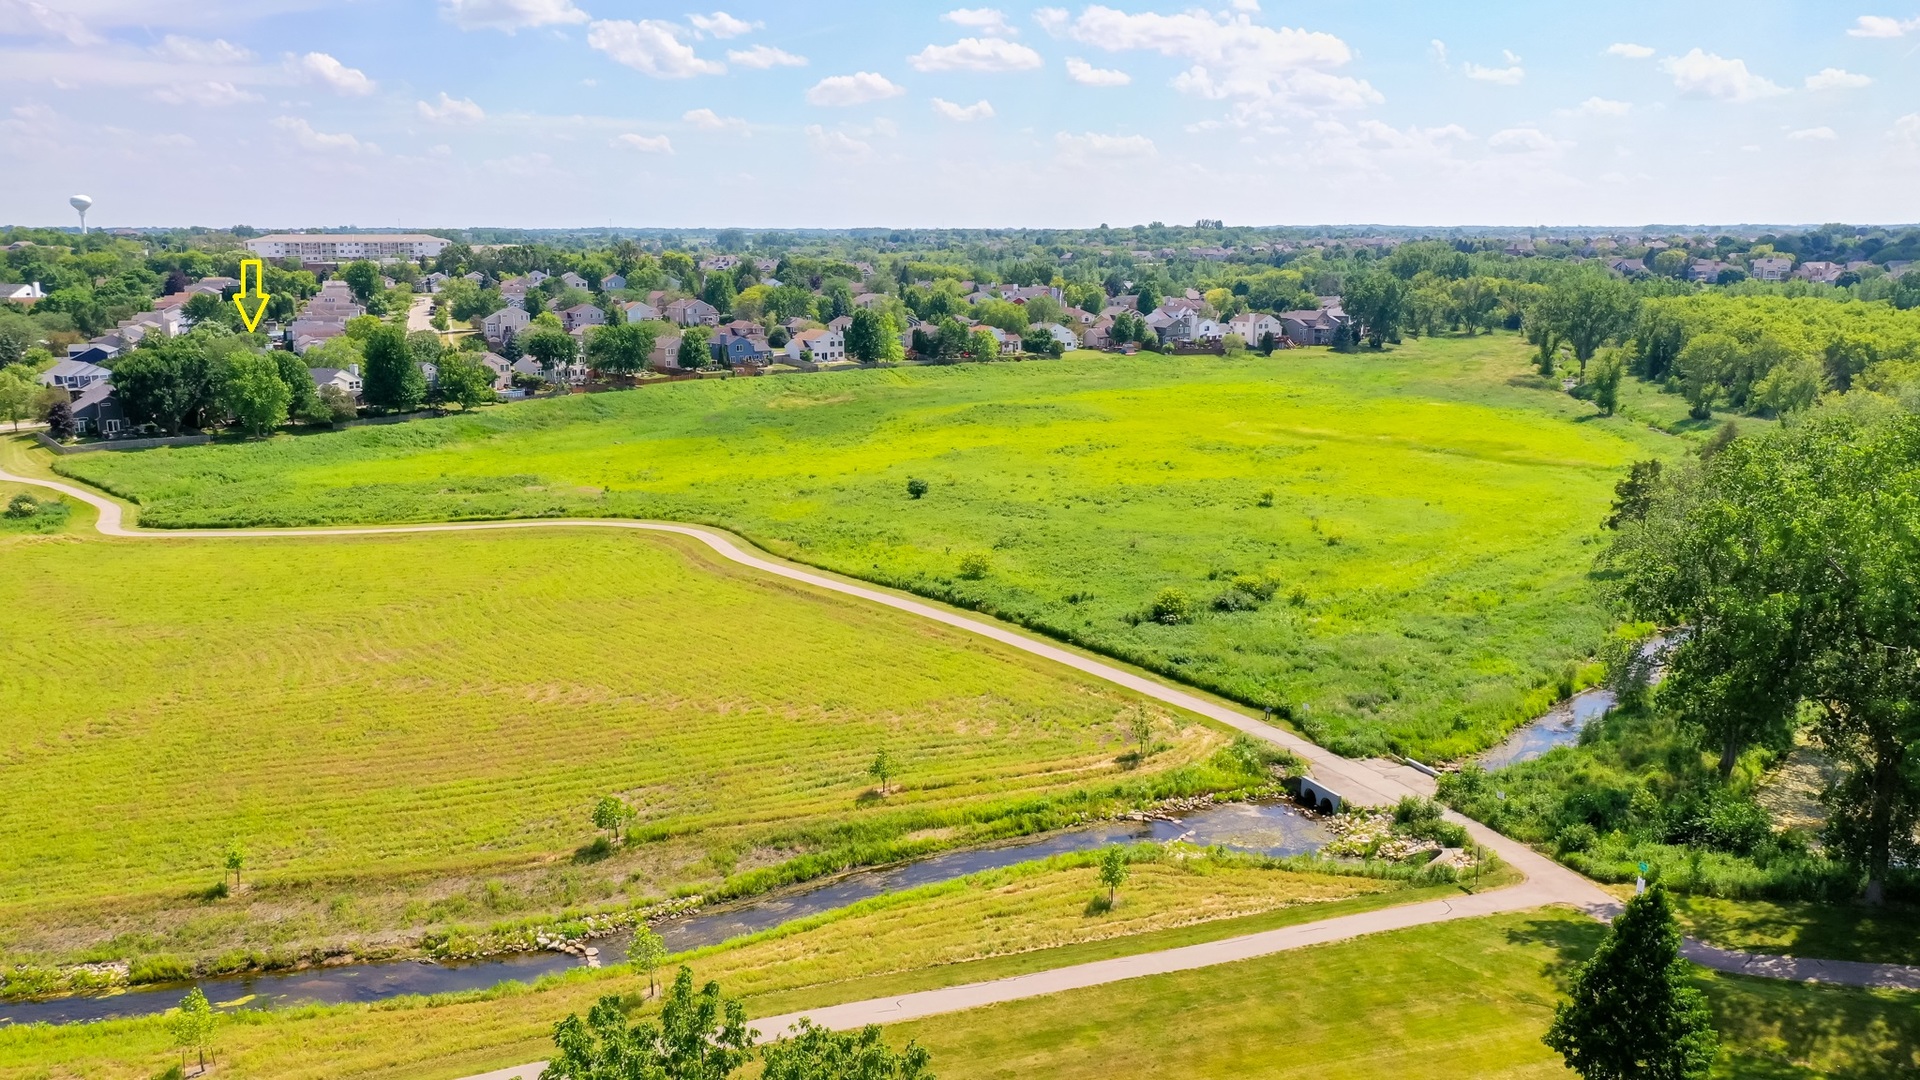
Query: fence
point(120, 444)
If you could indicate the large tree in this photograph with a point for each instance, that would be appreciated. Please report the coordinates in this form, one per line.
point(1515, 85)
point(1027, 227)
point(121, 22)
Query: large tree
point(465, 380)
point(550, 346)
point(815, 1053)
point(700, 1036)
point(1587, 308)
point(621, 348)
point(167, 383)
point(872, 339)
point(391, 379)
point(252, 392)
point(1793, 558)
point(1376, 302)
point(1632, 1014)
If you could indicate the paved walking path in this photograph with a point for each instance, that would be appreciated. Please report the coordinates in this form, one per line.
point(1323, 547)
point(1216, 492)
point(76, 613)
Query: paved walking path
point(1361, 782)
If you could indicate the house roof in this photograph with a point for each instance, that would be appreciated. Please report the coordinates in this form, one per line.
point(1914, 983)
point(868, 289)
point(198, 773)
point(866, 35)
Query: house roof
point(68, 369)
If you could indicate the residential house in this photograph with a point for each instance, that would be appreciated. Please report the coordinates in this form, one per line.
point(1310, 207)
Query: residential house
point(536, 277)
point(306, 336)
point(213, 285)
point(824, 346)
point(347, 379)
point(1067, 338)
point(841, 323)
point(1099, 335)
point(1825, 273)
point(436, 281)
point(638, 311)
point(92, 352)
point(1705, 271)
point(1310, 327)
point(1253, 326)
point(612, 282)
point(693, 313)
point(666, 353)
point(1078, 315)
point(574, 281)
point(476, 277)
point(1627, 267)
point(581, 316)
point(19, 293)
point(514, 292)
point(508, 321)
point(867, 300)
point(1899, 268)
point(74, 376)
point(736, 349)
point(97, 410)
point(502, 369)
point(1009, 343)
point(743, 327)
point(658, 298)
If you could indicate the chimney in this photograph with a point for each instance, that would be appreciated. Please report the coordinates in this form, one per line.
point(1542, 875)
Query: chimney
point(353, 370)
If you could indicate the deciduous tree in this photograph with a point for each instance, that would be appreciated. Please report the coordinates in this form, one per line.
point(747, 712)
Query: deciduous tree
point(251, 390)
point(700, 1036)
point(815, 1053)
point(391, 379)
point(191, 1025)
point(1113, 870)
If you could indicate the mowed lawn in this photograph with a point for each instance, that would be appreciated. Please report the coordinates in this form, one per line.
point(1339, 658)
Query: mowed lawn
point(405, 731)
point(1424, 517)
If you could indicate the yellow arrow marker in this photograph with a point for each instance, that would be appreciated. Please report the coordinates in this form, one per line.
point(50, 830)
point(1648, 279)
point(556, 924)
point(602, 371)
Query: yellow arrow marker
point(259, 290)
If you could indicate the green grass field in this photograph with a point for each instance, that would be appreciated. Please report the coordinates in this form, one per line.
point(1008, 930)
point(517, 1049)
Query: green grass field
point(408, 732)
point(1424, 518)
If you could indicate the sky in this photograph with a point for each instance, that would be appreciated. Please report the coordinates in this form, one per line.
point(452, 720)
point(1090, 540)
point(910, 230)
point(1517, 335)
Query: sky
point(795, 113)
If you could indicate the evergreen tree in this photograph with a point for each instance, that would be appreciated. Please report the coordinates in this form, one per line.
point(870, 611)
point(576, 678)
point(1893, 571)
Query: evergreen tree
point(1632, 1015)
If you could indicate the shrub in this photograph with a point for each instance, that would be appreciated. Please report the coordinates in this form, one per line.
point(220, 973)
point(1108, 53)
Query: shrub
point(1578, 836)
point(974, 566)
point(1260, 588)
point(23, 505)
point(916, 487)
point(1172, 607)
point(1234, 600)
point(159, 969)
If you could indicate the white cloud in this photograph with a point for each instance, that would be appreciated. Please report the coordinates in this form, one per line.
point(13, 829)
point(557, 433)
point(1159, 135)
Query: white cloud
point(979, 110)
point(1629, 50)
point(1906, 130)
point(1506, 76)
point(1262, 69)
point(1837, 79)
point(1705, 74)
point(708, 120)
point(210, 93)
point(1052, 19)
point(322, 68)
point(1821, 133)
point(1524, 140)
point(976, 54)
point(722, 25)
point(1092, 145)
point(195, 51)
point(651, 47)
point(307, 138)
point(645, 144)
point(508, 16)
point(1438, 50)
point(1879, 26)
point(856, 89)
point(765, 56)
point(1599, 106)
point(22, 14)
point(990, 21)
point(836, 143)
point(1087, 75)
point(451, 110)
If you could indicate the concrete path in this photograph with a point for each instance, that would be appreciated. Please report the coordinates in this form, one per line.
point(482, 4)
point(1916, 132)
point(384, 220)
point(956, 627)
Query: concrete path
point(420, 314)
point(1372, 783)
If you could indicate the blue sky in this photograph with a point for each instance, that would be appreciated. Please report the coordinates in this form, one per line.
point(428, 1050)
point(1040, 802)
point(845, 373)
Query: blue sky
point(583, 112)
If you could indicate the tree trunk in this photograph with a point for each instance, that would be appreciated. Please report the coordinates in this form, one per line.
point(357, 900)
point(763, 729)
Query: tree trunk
point(1887, 760)
point(1729, 755)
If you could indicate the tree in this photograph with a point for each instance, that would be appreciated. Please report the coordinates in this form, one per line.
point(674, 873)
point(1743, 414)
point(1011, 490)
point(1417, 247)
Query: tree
point(302, 396)
point(622, 348)
point(59, 420)
point(869, 337)
point(1587, 308)
point(719, 292)
point(191, 1026)
point(916, 487)
point(363, 278)
point(982, 345)
point(1140, 730)
point(701, 1036)
point(252, 391)
point(1113, 870)
point(391, 380)
point(610, 814)
point(17, 334)
point(1632, 1014)
point(1268, 343)
point(235, 859)
point(1606, 382)
point(1147, 299)
point(694, 351)
point(22, 396)
point(332, 404)
point(647, 952)
point(551, 347)
point(815, 1053)
point(882, 769)
point(166, 383)
point(465, 380)
point(1376, 302)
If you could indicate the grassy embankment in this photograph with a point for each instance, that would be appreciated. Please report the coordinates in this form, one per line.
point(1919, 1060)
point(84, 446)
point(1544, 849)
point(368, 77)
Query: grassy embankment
point(1459, 999)
point(1419, 522)
point(993, 925)
point(405, 734)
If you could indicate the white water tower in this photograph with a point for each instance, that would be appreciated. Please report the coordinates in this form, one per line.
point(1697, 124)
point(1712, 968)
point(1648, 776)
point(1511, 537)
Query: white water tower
point(80, 203)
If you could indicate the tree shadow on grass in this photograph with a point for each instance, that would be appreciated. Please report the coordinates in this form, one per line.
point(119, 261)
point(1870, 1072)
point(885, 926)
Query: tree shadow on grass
point(1775, 1029)
point(1568, 942)
point(594, 852)
point(1099, 905)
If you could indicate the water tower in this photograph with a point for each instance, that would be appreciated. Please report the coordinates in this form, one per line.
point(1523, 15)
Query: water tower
point(80, 203)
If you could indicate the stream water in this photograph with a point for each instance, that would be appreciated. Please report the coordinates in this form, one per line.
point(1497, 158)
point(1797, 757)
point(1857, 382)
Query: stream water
point(1561, 726)
point(1265, 828)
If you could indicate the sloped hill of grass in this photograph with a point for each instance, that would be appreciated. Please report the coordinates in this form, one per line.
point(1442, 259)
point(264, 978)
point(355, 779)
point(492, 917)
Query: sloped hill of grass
point(1390, 549)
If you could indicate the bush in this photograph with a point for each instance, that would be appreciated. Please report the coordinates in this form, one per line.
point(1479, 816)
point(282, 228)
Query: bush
point(23, 505)
point(1172, 607)
point(916, 487)
point(974, 566)
point(1579, 836)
